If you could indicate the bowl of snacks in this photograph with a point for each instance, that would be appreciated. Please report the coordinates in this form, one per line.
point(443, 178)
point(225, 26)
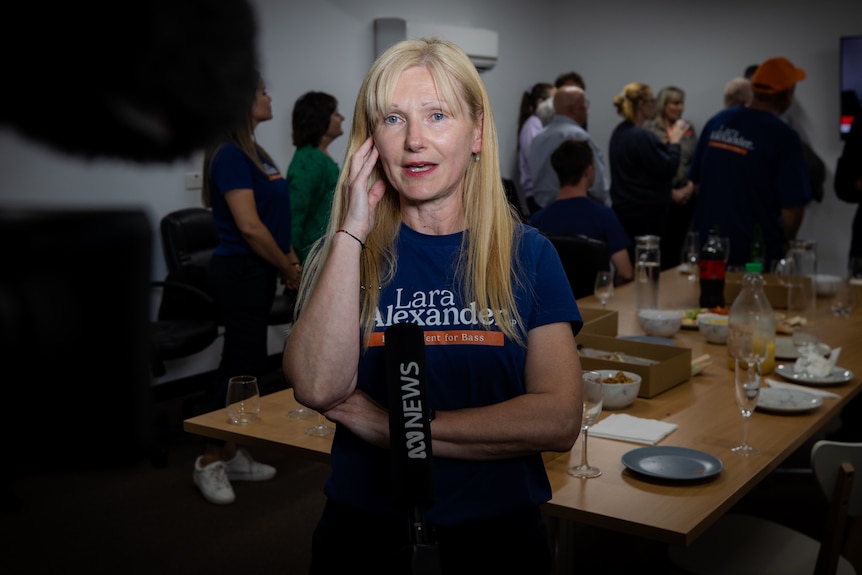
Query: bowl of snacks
point(620, 387)
point(713, 326)
point(660, 322)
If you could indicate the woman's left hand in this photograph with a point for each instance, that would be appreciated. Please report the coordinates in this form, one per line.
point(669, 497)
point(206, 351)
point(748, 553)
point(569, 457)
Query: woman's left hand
point(682, 195)
point(364, 417)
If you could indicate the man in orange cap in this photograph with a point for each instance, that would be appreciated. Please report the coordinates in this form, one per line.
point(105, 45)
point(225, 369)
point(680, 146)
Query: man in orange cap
point(750, 171)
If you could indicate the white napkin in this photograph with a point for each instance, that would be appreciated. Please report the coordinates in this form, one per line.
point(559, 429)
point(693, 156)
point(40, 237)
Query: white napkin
point(813, 391)
point(635, 429)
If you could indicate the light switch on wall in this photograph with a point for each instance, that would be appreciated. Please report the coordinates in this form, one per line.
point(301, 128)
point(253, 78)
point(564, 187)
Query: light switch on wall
point(194, 180)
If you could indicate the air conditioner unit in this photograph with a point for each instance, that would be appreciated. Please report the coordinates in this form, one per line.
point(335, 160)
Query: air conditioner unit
point(479, 44)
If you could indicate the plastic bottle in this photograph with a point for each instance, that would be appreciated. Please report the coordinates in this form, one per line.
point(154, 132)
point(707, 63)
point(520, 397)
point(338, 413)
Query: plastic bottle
point(712, 267)
point(751, 315)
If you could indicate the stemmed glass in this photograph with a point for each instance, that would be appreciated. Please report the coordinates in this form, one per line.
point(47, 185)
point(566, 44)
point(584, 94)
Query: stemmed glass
point(604, 288)
point(300, 413)
point(844, 300)
point(593, 399)
point(691, 255)
point(321, 429)
point(746, 382)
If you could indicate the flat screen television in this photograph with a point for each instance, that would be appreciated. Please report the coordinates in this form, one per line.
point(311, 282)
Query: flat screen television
point(850, 75)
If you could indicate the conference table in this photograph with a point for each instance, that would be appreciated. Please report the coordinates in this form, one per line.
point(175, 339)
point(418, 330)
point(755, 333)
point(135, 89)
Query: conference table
point(703, 407)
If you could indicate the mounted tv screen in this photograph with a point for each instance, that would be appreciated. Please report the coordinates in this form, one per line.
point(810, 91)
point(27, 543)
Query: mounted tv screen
point(851, 81)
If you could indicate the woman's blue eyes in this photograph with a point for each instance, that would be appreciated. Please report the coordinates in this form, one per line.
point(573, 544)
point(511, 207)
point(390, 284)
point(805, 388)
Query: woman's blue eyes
point(436, 116)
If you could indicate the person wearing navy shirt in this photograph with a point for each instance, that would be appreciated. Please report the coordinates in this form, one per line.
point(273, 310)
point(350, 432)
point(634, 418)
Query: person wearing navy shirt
point(250, 203)
point(421, 231)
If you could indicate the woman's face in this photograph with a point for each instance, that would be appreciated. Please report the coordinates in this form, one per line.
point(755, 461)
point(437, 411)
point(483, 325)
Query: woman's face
point(335, 129)
point(424, 150)
point(673, 108)
point(261, 110)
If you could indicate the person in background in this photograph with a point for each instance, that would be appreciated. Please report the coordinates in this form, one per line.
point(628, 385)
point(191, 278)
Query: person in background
point(312, 173)
point(573, 213)
point(848, 187)
point(642, 165)
point(749, 169)
point(571, 79)
point(251, 206)
point(530, 123)
point(420, 226)
point(848, 180)
point(737, 92)
point(671, 105)
point(571, 108)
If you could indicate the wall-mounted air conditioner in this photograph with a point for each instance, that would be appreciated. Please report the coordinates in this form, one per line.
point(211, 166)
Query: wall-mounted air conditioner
point(479, 44)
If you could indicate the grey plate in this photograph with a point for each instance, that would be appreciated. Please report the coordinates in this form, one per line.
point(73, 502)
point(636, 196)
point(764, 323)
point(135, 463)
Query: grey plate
point(838, 375)
point(669, 462)
point(787, 400)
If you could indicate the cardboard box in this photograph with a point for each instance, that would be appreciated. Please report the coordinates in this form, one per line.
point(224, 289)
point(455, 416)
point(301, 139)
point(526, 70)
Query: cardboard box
point(600, 321)
point(673, 367)
point(776, 292)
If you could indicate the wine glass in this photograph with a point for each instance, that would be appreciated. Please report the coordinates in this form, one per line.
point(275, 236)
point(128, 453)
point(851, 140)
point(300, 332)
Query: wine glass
point(593, 399)
point(691, 255)
point(321, 429)
point(844, 300)
point(604, 288)
point(746, 382)
point(300, 413)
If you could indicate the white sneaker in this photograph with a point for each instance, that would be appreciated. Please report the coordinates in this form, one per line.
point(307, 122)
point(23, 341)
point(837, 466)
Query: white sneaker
point(243, 468)
point(212, 481)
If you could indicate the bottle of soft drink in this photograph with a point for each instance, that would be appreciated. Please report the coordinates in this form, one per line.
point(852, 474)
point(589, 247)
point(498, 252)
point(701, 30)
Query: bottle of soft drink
point(712, 267)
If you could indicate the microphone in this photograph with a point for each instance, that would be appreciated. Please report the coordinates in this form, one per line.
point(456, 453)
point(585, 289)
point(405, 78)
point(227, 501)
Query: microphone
point(409, 426)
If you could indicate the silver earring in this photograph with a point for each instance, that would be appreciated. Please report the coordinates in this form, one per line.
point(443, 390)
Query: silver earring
point(475, 157)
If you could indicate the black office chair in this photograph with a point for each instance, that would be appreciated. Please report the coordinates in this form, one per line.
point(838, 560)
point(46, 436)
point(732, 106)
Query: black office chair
point(582, 257)
point(189, 237)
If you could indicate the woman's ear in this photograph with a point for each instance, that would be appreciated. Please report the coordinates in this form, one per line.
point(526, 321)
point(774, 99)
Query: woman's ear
point(477, 135)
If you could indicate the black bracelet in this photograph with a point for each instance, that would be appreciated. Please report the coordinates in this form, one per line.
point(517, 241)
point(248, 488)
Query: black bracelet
point(361, 243)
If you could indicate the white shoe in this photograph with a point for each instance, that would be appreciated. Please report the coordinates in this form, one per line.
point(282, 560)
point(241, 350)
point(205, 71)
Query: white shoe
point(212, 481)
point(243, 468)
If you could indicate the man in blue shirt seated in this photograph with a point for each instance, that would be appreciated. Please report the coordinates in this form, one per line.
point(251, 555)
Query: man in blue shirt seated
point(573, 213)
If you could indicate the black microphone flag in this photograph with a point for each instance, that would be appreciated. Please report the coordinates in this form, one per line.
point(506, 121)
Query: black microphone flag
point(409, 425)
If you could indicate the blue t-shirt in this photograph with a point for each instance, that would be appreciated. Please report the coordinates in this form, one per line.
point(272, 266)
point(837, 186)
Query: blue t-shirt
point(467, 366)
point(230, 170)
point(582, 216)
point(749, 165)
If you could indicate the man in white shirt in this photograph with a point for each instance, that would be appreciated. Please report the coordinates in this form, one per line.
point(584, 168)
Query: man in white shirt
point(570, 115)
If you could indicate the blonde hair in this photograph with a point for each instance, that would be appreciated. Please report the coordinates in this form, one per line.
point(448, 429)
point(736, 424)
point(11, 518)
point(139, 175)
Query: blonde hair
point(486, 265)
point(626, 102)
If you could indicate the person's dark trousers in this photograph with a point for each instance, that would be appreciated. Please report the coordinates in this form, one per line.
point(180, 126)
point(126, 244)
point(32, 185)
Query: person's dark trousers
point(244, 288)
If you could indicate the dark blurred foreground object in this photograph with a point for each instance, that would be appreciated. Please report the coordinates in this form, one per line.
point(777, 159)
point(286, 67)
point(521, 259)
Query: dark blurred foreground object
point(74, 335)
point(147, 81)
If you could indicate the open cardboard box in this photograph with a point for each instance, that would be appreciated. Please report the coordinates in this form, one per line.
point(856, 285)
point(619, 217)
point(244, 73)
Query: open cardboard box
point(775, 291)
point(599, 321)
point(673, 367)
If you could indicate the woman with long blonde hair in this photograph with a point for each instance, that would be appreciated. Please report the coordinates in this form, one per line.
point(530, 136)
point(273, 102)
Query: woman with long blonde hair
point(421, 232)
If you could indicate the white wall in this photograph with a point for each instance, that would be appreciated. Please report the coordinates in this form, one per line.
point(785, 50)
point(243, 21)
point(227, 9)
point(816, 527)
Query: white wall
point(328, 45)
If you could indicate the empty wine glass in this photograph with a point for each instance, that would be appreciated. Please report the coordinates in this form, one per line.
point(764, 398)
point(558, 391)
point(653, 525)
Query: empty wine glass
point(301, 413)
point(691, 255)
point(746, 382)
point(321, 429)
point(604, 288)
point(593, 399)
point(844, 300)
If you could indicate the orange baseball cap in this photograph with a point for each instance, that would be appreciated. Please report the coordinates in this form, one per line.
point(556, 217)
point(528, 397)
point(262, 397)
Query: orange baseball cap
point(776, 75)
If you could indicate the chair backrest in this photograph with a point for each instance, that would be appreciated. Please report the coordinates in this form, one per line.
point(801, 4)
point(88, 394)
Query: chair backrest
point(582, 257)
point(189, 237)
point(838, 468)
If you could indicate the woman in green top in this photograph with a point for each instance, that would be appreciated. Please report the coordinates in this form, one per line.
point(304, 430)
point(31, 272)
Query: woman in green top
point(312, 173)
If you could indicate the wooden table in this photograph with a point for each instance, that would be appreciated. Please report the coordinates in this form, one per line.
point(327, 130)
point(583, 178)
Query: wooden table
point(704, 408)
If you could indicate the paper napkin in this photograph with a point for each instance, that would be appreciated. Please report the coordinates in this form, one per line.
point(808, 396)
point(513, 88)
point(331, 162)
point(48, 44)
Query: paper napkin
point(635, 429)
point(813, 391)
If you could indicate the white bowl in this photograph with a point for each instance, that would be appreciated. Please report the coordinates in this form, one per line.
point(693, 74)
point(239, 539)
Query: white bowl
point(713, 326)
point(826, 285)
point(660, 322)
point(619, 395)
